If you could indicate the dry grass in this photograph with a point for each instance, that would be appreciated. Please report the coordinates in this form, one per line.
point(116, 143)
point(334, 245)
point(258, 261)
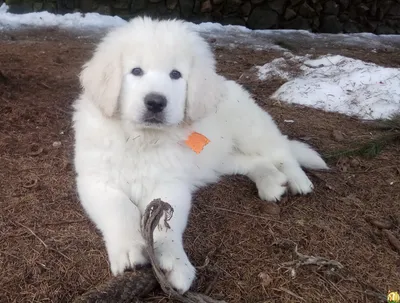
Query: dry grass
point(50, 252)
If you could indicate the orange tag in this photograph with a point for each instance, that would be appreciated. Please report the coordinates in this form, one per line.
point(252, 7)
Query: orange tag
point(197, 142)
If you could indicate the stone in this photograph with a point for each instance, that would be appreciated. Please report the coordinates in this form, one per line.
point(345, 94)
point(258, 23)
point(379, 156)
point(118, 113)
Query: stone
point(231, 7)
point(197, 7)
point(297, 23)
point(373, 9)
point(262, 17)
point(103, 10)
point(120, 4)
point(362, 9)
point(86, 5)
point(289, 14)
point(338, 135)
point(49, 7)
point(137, 5)
point(385, 30)
point(233, 21)
point(316, 23)
point(352, 11)
point(37, 6)
point(277, 5)
point(206, 7)
point(331, 24)
point(186, 7)
point(216, 15)
point(394, 10)
point(257, 2)
point(218, 2)
point(344, 4)
point(171, 4)
point(295, 2)
point(371, 25)
point(331, 8)
point(201, 18)
point(157, 10)
point(245, 9)
point(318, 8)
point(306, 11)
point(69, 4)
point(344, 17)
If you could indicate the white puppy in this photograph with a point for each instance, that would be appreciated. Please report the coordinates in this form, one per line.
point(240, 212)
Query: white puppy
point(149, 85)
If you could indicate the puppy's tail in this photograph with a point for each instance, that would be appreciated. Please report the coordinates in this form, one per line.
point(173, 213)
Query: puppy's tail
point(306, 156)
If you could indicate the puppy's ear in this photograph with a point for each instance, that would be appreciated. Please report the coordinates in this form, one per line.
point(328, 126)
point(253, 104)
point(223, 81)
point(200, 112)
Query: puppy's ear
point(204, 90)
point(101, 77)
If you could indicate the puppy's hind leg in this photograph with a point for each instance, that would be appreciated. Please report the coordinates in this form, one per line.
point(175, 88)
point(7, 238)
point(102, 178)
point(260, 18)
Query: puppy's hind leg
point(298, 181)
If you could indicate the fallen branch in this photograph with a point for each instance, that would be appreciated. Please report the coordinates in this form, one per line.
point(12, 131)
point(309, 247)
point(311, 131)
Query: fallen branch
point(305, 260)
point(131, 286)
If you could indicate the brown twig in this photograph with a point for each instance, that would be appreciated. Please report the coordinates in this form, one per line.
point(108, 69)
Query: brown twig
point(151, 218)
point(304, 260)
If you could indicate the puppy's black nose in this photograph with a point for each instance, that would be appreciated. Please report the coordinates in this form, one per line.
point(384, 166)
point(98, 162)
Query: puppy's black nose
point(155, 103)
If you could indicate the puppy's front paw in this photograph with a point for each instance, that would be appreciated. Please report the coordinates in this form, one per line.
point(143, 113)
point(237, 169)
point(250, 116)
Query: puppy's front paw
point(125, 255)
point(177, 267)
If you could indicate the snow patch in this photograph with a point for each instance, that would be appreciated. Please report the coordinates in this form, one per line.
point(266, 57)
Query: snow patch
point(338, 84)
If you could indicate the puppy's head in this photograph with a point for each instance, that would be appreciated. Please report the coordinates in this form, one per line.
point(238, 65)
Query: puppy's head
point(152, 74)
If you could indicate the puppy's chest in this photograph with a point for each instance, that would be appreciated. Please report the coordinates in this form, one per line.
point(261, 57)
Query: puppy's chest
point(142, 168)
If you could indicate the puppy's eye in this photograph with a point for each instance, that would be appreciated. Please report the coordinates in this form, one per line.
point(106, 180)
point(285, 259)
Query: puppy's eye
point(137, 71)
point(175, 75)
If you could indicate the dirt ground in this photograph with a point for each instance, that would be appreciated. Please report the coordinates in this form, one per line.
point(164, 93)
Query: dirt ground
point(50, 252)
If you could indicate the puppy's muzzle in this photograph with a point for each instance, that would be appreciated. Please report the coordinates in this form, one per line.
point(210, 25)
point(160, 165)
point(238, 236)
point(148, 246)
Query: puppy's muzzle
point(155, 103)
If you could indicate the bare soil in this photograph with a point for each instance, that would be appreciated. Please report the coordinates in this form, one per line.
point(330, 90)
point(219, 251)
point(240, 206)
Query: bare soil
point(51, 252)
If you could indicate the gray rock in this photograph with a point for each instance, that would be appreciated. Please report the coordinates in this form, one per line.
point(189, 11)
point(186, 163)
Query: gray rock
point(171, 4)
point(295, 2)
point(289, 14)
point(344, 4)
point(362, 9)
point(316, 23)
point(37, 6)
point(331, 8)
point(318, 7)
point(306, 11)
point(103, 9)
point(394, 10)
point(277, 5)
point(120, 5)
point(137, 5)
point(385, 30)
point(186, 7)
point(344, 17)
point(257, 2)
point(197, 6)
point(231, 7)
point(331, 24)
point(245, 9)
point(371, 25)
point(297, 23)
point(351, 27)
point(233, 21)
point(262, 17)
point(206, 6)
point(86, 5)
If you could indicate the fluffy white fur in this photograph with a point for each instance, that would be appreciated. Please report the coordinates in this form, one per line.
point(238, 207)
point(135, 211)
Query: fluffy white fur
point(123, 161)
